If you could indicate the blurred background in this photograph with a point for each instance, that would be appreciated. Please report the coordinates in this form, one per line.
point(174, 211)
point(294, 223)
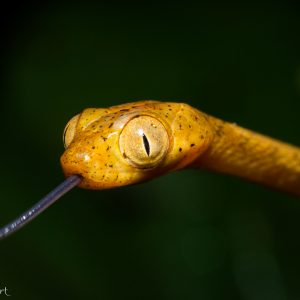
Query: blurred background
point(188, 235)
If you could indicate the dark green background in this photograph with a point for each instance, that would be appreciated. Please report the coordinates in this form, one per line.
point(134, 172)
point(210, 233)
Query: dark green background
point(189, 235)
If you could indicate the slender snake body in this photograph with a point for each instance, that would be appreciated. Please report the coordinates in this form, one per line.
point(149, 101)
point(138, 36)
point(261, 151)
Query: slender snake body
point(176, 136)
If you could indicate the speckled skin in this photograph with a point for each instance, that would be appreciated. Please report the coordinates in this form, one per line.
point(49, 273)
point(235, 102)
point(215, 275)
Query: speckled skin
point(244, 153)
point(195, 140)
point(95, 154)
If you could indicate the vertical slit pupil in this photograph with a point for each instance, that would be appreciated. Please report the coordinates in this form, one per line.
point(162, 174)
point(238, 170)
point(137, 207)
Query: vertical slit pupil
point(146, 144)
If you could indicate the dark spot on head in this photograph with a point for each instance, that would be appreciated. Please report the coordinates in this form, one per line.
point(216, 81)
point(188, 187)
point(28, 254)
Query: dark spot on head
point(202, 137)
point(190, 126)
point(180, 149)
point(110, 125)
point(124, 109)
point(104, 138)
point(192, 145)
point(110, 166)
point(93, 147)
point(219, 130)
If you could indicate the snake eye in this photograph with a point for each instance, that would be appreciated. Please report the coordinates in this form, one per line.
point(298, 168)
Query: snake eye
point(144, 141)
point(69, 131)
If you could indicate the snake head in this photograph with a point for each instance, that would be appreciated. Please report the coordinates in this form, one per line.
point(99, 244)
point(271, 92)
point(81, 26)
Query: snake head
point(134, 142)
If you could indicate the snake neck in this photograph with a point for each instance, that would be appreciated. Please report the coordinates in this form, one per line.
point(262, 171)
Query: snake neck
point(241, 152)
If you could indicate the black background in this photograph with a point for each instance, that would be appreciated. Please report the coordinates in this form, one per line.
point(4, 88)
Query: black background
point(189, 235)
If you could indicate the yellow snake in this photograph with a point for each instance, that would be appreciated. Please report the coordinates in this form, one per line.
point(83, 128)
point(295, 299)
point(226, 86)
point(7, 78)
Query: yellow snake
point(134, 142)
